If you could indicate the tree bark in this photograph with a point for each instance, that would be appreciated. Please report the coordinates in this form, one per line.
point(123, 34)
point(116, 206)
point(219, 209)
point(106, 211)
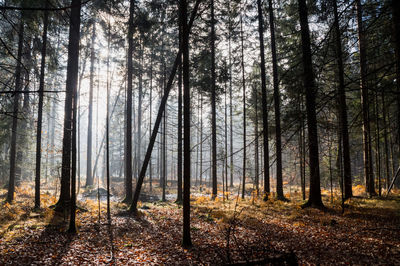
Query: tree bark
point(385, 137)
point(277, 102)
point(244, 109)
point(71, 83)
point(179, 196)
point(128, 134)
point(396, 26)
point(264, 101)
point(13, 144)
point(342, 108)
point(40, 110)
point(230, 93)
point(213, 108)
point(186, 239)
point(89, 177)
point(370, 186)
point(314, 199)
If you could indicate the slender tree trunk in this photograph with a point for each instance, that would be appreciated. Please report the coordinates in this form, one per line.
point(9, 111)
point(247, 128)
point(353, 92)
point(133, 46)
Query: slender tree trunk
point(277, 102)
point(302, 150)
point(201, 141)
point(151, 113)
point(139, 114)
point(377, 145)
point(179, 196)
point(396, 26)
point(40, 110)
point(385, 137)
point(196, 183)
point(342, 109)
point(256, 143)
point(365, 105)
point(186, 240)
point(226, 143)
point(71, 84)
point(230, 93)
point(244, 109)
point(213, 108)
point(13, 145)
point(330, 166)
point(108, 122)
point(72, 224)
point(89, 177)
point(264, 101)
point(310, 90)
point(128, 134)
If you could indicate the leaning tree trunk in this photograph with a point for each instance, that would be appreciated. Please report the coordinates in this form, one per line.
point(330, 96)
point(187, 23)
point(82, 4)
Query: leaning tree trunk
point(13, 144)
point(314, 199)
point(264, 104)
point(133, 206)
point(40, 111)
point(342, 109)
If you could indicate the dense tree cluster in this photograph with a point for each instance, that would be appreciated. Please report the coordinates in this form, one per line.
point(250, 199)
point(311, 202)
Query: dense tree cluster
point(187, 95)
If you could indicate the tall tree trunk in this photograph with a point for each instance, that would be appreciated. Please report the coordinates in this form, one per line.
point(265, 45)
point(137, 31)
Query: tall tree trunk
point(244, 108)
point(40, 110)
point(314, 199)
point(71, 83)
point(226, 143)
point(385, 137)
point(179, 196)
point(89, 177)
point(213, 108)
point(377, 144)
point(230, 93)
point(256, 143)
point(196, 183)
point(201, 141)
point(72, 224)
point(264, 101)
point(108, 121)
point(186, 240)
point(365, 105)
point(128, 134)
point(396, 26)
point(13, 144)
point(342, 108)
point(151, 113)
point(302, 149)
point(139, 113)
point(25, 124)
point(277, 102)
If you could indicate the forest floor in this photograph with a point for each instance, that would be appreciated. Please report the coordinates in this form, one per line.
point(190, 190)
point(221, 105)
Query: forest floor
point(223, 232)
